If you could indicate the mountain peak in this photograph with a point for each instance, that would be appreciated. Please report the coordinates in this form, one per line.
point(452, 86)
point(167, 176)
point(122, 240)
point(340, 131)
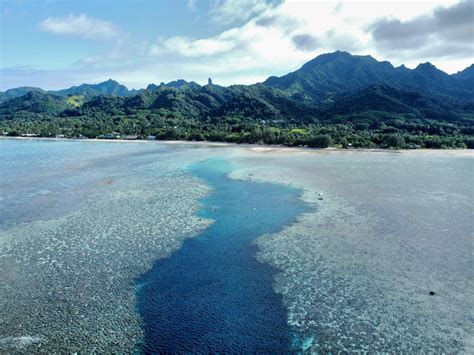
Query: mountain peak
point(109, 87)
point(466, 71)
point(109, 82)
point(337, 72)
point(340, 58)
point(177, 84)
point(465, 77)
point(426, 67)
point(327, 57)
point(430, 71)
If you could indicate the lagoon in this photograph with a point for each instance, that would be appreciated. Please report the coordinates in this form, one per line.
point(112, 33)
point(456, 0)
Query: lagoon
point(143, 246)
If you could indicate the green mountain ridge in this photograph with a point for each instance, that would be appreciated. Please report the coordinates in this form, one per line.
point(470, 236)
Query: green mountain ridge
point(322, 76)
point(337, 96)
point(340, 71)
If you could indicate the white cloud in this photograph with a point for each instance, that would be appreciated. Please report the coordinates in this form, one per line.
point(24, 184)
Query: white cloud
point(186, 47)
point(79, 25)
point(191, 4)
point(446, 32)
point(270, 42)
point(274, 40)
point(228, 12)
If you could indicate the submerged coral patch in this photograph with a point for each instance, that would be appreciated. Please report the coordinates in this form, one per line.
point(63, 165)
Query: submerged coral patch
point(69, 279)
point(355, 276)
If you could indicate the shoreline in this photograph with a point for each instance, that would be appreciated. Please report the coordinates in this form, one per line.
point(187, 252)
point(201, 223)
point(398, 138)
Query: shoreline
point(262, 148)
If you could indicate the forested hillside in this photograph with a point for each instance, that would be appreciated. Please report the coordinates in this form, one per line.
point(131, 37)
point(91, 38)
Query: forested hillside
point(335, 99)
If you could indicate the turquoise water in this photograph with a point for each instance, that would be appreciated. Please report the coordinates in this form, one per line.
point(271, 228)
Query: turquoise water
point(212, 294)
point(41, 180)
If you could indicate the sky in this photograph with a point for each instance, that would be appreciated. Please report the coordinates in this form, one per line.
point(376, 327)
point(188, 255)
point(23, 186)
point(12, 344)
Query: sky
point(54, 44)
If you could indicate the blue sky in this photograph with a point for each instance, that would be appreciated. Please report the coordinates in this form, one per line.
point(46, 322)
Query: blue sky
point(58, 43)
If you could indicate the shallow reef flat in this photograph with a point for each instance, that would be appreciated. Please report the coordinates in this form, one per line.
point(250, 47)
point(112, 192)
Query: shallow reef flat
point(68, 281)
point(383, 263)
point(388, 229)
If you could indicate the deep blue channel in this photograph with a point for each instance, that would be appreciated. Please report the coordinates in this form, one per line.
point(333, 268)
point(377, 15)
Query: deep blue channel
point(212, 295)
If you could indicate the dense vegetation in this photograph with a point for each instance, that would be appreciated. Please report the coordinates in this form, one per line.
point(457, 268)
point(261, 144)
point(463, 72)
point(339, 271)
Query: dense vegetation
point(335, 100)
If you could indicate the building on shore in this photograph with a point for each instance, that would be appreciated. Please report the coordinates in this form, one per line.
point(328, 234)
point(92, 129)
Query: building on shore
point(113, 135)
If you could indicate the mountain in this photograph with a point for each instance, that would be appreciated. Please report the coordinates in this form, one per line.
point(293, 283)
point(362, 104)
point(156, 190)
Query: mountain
point(35, 102)
point(315, 81)
point(177, 84)
point(465, 78)
point(17, 92)
point(429, 79)
point(384, 98)
point(338, 72)
point(198, 102)
point(332, 73)
point(109, 87)
point(342, 97)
